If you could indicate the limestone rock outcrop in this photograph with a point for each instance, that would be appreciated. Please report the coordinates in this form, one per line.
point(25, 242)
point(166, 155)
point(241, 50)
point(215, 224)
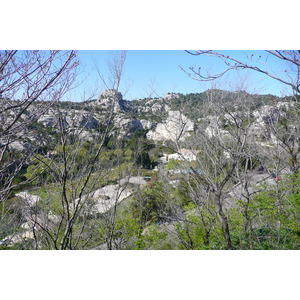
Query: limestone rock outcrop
point(129, 127)
point(176, 127)
point(112, 99)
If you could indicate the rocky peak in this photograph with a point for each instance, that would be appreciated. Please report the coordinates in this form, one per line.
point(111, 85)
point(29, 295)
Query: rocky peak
point(111, 94)
point(170, 96)
point(112, 99)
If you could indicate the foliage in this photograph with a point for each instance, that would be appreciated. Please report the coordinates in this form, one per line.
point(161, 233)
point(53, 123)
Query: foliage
point(155, 238)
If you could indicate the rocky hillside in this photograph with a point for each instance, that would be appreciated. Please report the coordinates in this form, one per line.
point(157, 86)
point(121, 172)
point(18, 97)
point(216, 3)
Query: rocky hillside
point(172, 117)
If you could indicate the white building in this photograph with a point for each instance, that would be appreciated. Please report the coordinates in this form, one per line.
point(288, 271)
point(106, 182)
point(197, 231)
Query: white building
point(182, 154)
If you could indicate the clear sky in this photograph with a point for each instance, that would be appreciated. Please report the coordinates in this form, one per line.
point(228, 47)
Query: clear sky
point(156, 25)
point(157, 72)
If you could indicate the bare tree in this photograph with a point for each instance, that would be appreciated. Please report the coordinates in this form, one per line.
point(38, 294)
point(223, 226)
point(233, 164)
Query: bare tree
point(30, 82)
point(27, 77)
point(282, 125)
point(115, 65)
point(290, 76)
point(224, 147)
point(32, 76)
point(72, 178)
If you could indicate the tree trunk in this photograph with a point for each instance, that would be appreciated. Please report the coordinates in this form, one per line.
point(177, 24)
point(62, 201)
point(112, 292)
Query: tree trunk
point(224, 221)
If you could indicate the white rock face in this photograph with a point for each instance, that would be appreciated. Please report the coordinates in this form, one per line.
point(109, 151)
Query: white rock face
point(88, 122)
point(171, 96)
point(267, 115)
point(47, 120)
point(129, 126)
point(263, 118)
point(157, 108)
point(83, 135)
point(176, 127)
point(111, 99)
point(213, 129)
point(51, 120)
point(154, 106)
point(19, 147)
point(31, 200)
point(106, 197)
point(148, 124)
point(70, 120)
point(111, 94)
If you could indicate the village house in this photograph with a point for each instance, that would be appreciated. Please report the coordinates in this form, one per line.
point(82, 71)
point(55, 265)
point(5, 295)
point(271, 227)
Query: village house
point(182, 154)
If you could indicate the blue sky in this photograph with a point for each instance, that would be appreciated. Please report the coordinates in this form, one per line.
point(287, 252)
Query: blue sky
point(157, 72)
